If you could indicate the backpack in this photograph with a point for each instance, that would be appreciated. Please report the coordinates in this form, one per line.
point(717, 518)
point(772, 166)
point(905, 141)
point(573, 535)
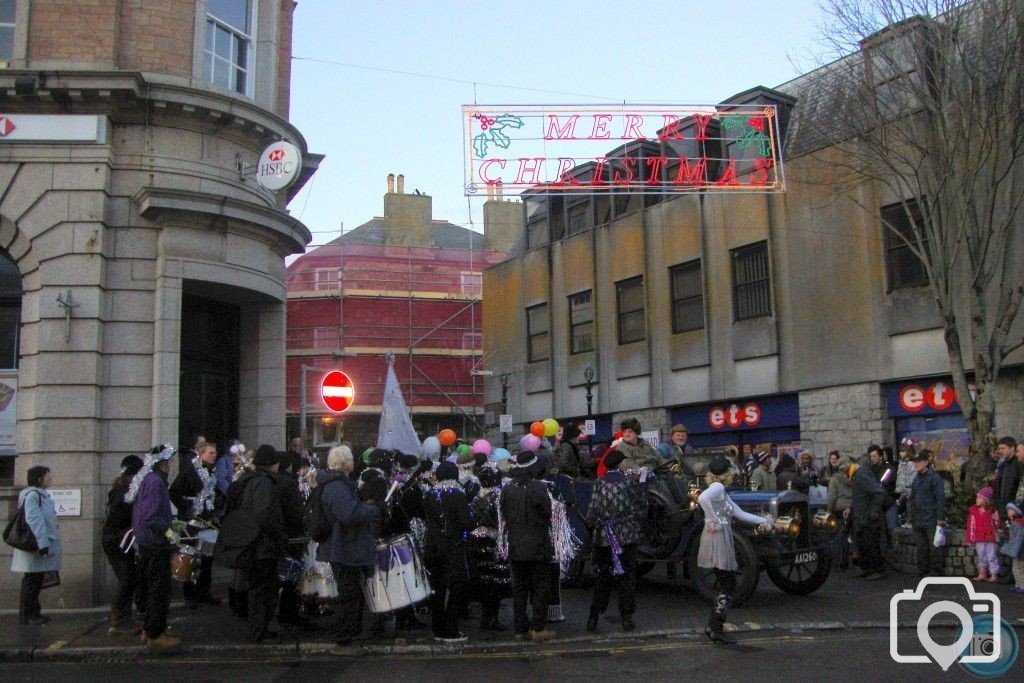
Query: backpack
point(318, 521)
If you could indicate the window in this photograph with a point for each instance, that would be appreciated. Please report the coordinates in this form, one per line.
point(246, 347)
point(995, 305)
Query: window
point(893, 73)
point(325, 337)
point(537, 333)
point(630, 296)
point(687, 297)
point(228, 53)
point(7, 13)
point(752, 296)
point(326, 279)
point(536, 221)
point(472, 340)
point(579, 217)
point(471, 282)
point(581, 322)
point(902, 265)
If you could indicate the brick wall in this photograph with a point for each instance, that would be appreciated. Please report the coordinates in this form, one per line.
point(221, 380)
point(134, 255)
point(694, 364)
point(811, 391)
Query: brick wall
point(78, 30)
point(284, 58)
point(157, 37)
point(848, 418)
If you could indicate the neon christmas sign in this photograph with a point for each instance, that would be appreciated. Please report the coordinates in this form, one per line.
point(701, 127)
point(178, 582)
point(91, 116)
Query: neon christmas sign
point(651, 149)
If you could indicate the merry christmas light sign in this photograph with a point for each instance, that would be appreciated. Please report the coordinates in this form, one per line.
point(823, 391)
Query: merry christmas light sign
point(648, 149)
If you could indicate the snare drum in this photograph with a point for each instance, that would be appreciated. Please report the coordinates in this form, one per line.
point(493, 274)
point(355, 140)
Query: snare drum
point(289, 570)
point(399, 578)
point(206, 541)
point(185, 564)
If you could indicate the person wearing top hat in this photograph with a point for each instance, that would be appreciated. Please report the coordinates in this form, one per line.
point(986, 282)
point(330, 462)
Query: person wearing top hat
point(446, 510)
point(116, 523)
point(525, 512)
point(716, 550)
point(762, 478)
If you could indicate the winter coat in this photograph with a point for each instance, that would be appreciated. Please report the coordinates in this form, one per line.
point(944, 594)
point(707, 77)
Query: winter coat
point(151, 512)
point(927, 500)
point(119, 514)
point(867, 499)
point(763, 480)
point(982, 525)
point(526, 509)
point(638, 455)
point(621, 503)
point(186, 489)
point(905, 475)
point(570, 461)
point(1008, 478)
point(41, 516)
point(254, 496)
point(351, 543)
point(487, 568)
point(446, 513)
point(840, 492)
point(287, 491)
point(716, 543)
point(1014, 546)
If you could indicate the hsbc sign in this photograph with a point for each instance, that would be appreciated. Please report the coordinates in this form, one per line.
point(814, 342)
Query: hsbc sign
point(735, 415)
point(279, 165)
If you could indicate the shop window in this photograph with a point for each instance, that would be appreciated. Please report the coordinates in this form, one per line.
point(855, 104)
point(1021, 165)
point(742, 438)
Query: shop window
point(903, 268)
point(752, 296)
point(630, 297)
point(581, 322)
point(687, 297)
point(537, 348)
point(7, 13)
point(229, 39)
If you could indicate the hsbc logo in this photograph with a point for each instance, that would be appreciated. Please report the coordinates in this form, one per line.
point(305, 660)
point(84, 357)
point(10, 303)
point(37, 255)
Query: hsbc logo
point(6, 126)
point(938, 396)
point(735, 416)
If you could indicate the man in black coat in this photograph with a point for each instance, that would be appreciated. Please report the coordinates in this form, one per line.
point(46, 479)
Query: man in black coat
point(446, 512)
point(195, 496)
point(1008, 474)
point(866, 511)
point(526, 510)
point(287, 491)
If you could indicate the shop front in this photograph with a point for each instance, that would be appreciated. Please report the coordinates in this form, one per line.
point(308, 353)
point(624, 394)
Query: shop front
point(759, 420)
point(926, 410)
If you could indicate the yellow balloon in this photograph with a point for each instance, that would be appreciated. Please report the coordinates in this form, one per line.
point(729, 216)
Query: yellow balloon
point(550, 426)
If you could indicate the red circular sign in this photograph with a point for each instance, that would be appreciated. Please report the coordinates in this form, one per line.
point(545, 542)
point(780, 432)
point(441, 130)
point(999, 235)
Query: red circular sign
point(337, 391)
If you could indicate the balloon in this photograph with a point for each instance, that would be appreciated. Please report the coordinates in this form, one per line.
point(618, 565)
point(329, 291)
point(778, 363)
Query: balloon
point(366, 455)
point(550, 427)
point(482, 446)
point(431, 447)
point(499, 454)
point(537, 429)
point(463, 449)
point(530, 442)
point(446, 437)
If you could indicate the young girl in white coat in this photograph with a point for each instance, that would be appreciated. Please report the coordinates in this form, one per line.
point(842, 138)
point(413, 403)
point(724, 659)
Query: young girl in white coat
point(716, 544)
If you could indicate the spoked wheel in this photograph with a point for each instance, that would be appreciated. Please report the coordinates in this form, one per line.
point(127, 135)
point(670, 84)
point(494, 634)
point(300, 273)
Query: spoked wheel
point(802, 573)
point(705, 581)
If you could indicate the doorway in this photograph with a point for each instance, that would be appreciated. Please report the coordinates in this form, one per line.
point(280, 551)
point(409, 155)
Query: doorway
point(208, 392)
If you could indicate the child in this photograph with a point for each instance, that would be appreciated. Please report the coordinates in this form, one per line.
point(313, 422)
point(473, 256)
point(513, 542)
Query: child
point(982, 526)
point(1014, 547)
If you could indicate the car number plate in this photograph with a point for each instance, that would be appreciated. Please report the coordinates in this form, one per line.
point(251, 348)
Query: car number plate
point(804, 558)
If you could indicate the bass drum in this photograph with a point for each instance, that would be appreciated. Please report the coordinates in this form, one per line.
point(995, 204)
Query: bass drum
point(705, 582)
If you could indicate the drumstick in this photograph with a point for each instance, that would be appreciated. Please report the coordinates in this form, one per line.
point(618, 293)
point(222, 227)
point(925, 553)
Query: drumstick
point(394, 485)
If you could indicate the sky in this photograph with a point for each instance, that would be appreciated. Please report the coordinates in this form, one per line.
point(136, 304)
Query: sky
point(378, 86)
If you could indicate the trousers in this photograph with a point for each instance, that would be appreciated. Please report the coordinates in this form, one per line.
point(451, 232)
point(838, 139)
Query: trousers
point(868, 539)
point(126, 569)
point(31, 587)
point(607, 580)
point(987, 557)
point(262, 597)
point(530, 578)
point(155, 569)
point(350, 601)
point(929, 558)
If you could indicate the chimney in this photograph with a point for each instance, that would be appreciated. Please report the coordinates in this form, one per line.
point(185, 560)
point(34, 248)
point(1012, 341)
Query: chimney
point(503, 223)
point(391, 183)
point(407, 218)
point(401, 184)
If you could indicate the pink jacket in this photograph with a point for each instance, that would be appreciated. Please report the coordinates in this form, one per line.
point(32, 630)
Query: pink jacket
point(981, 525)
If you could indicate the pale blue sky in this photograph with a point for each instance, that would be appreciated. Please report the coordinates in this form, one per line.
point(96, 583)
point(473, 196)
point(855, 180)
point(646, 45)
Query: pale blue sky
point(372, 121)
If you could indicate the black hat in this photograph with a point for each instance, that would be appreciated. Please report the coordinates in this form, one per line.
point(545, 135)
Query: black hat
point(924, 456)
point(446, 470)
point(406, 461)
point(718, 465)
point(630, 423)
point(613, 459)
point(130, 465)
point(381, 459)
point(524, 460)
point(266, 455)
point(284, 460)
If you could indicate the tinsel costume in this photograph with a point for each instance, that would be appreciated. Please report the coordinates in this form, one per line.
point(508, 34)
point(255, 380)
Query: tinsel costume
point(148, 460)
point(203, 503)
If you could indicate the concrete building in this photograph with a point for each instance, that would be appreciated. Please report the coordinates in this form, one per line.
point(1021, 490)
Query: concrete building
point(145, 260)
point(794, 318)
point(402, 283)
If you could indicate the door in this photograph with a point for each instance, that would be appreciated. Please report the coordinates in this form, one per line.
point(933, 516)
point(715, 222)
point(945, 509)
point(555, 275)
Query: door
point(208, 399)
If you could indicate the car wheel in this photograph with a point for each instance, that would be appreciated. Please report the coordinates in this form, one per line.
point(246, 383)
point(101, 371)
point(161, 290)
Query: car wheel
point(705, 581)
point(801, 578)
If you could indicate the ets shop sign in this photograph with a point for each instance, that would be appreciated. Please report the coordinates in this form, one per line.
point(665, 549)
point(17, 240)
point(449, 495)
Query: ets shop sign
point(646, 149)
point(923, 397)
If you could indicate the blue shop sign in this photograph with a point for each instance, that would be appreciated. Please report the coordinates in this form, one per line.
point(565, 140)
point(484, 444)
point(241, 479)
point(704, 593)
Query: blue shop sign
point(922, 397)
point(740, 415)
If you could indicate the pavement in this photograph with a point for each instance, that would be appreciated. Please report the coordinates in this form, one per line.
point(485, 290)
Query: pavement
point(667, 609)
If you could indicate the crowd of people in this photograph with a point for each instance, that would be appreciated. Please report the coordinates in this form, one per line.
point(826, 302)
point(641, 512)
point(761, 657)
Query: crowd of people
point(302, 541)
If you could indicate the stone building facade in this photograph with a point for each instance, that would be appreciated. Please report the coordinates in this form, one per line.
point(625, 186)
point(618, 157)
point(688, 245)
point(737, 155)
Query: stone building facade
point(151, 261)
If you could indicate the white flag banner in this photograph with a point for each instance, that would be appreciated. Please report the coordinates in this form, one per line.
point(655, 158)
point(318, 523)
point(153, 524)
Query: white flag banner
point(396, 431)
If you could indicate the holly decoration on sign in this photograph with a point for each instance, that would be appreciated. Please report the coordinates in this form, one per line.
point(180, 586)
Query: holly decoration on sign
point(492, 132)
point(753, 133)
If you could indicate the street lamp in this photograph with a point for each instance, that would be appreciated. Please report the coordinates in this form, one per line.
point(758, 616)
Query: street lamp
point(504, 405)
point(588, 377)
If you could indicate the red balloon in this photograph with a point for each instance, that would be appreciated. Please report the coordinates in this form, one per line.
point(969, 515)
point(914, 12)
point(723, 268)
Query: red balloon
point(447, 437)
point(537, 429)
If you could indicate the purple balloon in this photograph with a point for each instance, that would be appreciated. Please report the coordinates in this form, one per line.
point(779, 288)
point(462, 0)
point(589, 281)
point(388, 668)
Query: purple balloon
point(529, 443)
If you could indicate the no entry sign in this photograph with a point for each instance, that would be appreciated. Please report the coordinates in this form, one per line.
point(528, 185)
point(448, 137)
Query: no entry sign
point(337, 391)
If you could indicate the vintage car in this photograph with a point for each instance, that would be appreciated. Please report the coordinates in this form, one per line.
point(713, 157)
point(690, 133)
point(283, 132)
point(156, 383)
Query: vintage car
point(795, 553)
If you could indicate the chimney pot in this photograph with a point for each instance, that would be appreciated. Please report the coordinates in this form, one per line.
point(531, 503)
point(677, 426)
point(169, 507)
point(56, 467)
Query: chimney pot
point(401, 184)
point(391, 183)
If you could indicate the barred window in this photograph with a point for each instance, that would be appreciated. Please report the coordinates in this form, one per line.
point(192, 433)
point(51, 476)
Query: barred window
point(537, 348)
point(752, 296)
point(687, 297)
point(902, 266)
point(630, 296)
point(581, 322)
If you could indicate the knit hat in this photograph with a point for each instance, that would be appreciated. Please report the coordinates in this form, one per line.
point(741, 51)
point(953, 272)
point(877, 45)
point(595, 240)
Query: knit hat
point(1014, 508)
point(986, 493)
point(446, 471)
point(266, 455)
point(613, 459)
point(630, 423)
point(718, 465)
point(678, 428)
point(763, 457)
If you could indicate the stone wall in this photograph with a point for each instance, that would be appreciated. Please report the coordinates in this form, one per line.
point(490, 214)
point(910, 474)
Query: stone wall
point(650, 419)
point(847, 418)
point(960, 558)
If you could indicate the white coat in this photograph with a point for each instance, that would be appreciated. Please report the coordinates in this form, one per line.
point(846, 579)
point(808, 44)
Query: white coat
point(716, 548)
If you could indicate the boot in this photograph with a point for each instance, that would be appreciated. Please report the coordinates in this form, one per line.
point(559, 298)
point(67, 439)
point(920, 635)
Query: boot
point(982, 574)
point(555, 614)
point(993, 577)
point(627, 622)
point(595, 614)
point(164, 643)
point(716, 622)
point(119, 626)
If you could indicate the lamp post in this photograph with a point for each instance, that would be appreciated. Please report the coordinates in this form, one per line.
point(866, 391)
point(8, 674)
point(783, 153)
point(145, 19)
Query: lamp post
point(588, 377)
point(504, 405)
point(303, 369)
